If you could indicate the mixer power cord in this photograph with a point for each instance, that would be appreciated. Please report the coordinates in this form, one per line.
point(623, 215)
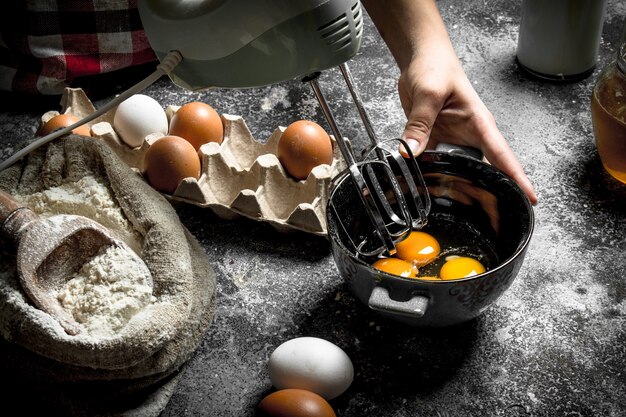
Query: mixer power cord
point(166, 66)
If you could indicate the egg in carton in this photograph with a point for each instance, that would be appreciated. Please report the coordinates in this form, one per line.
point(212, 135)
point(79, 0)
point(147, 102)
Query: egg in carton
point(239, 177)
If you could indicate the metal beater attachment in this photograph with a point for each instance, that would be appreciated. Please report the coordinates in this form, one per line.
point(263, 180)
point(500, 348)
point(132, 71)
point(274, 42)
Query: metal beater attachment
point(391, 187)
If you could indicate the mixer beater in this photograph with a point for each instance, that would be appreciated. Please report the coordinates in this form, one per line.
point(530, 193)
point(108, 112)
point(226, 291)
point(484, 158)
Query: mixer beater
point(390, 186)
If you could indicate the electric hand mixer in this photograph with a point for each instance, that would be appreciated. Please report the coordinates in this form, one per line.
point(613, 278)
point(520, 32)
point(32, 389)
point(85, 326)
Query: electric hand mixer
point(248, 43)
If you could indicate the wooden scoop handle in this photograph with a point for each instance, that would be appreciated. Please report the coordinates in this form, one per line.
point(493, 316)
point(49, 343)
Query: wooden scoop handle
point(7, 205)
point(14, 217)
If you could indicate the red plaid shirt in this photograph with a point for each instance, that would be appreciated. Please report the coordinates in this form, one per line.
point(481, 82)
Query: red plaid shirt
point(46, 44)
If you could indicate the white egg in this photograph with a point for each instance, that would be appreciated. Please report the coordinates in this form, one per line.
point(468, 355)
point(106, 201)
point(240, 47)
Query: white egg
point(312, 364)
point(137, 117)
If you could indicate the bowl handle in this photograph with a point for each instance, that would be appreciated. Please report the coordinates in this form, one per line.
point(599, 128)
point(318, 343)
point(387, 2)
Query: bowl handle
point(380, 300)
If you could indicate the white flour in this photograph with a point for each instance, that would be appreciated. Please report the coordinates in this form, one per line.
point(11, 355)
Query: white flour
point(111, 287)
point(87, 197)
point(107, 292)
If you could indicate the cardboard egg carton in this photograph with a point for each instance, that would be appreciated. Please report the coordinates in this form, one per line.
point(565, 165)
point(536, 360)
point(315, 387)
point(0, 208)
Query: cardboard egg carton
point(240, 177)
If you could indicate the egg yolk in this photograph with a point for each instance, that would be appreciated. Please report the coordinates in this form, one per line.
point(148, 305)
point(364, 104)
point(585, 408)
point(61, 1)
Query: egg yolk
point(395, 266)
point(460, 267)
point(419, 247)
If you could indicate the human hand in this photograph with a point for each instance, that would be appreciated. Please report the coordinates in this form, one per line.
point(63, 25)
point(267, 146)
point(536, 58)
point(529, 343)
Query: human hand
point(442, 106)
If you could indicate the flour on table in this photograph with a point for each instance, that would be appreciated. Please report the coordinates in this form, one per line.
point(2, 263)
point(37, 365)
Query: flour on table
point(107, 292)
point(86, 197)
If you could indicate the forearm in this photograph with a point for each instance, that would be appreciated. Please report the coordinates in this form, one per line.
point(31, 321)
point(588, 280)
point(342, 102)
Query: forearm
point(408, 27)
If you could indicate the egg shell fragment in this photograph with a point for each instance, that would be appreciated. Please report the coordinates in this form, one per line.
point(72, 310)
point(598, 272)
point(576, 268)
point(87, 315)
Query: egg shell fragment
point(313, 364)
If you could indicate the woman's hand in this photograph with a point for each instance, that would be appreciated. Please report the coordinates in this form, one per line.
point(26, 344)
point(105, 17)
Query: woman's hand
point(442, 106)
point(439, 101)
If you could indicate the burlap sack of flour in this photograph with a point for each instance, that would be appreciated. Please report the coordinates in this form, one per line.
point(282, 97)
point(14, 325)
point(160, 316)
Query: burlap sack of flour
point(135, 370)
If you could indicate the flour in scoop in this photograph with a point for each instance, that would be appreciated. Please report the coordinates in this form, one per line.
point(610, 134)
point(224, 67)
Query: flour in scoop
point(89, 197)
point(107, 292)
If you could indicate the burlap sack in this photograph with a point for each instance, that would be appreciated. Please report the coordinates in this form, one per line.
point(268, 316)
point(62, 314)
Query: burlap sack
point(145, 355)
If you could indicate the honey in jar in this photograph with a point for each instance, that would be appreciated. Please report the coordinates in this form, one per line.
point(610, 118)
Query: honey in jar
point(608, 112)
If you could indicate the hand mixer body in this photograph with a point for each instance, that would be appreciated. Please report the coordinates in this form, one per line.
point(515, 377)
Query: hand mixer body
point(248, 43)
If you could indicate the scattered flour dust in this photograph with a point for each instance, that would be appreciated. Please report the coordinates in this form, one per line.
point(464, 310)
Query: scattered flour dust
point(546, 312)
point(107, 291)
point(87, 197)
point(277, 95)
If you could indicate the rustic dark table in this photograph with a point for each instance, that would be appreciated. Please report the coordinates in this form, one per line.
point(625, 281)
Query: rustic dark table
point(553, 345)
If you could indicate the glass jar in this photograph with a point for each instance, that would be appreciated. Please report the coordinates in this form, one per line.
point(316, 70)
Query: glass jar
point(559, 39)
point(608, 113)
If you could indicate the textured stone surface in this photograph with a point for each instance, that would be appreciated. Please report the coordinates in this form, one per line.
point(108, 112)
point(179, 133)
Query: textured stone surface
point(553, 345)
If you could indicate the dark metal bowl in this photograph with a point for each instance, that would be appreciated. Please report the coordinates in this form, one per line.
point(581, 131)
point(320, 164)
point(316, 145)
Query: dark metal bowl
point(474, 206)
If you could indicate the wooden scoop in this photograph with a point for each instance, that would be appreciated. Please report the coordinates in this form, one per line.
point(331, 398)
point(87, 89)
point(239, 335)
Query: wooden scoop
point(50, 250)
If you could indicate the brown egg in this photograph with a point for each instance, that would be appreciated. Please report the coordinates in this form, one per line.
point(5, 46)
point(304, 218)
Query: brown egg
point(168, 161)
point(295, 403)
point(303, 146)
point(197, 122)
point(63, 120)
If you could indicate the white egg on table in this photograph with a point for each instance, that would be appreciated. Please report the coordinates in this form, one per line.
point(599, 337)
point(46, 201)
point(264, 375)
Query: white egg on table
point(312, 364)
point(137, 117)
